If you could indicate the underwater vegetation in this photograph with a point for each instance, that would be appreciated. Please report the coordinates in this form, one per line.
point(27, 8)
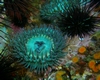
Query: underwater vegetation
point(77, 20)
point(59, 74)
point(22, 78)
point(38, 48)
point(96, 35)
point(96, 40)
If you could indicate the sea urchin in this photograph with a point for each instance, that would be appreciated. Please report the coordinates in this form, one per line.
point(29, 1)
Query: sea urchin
point(95, 2)
point(6, 68)
point(38, 48)
point(18, 11)
point(77, 20)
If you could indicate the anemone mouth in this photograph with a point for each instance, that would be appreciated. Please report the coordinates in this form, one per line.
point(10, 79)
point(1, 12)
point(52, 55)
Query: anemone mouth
point(39, 48)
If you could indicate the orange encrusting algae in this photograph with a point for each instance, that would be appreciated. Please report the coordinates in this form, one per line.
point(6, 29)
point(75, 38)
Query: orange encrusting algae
point(97, 55)
point(75, 59)
point(98, 77)
point(91, 64)
point(95, 69)
point(82, 50)
point(59, 75)
point(98, 66)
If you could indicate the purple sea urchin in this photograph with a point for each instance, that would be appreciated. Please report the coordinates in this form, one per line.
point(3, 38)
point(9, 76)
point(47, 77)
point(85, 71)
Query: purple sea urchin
point(18, 11)
point(77, 20)
point(95, 2)
point(6, 68)
point(38, 48)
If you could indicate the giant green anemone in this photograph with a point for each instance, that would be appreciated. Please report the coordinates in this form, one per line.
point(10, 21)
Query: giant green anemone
point(52, 9)
point(38, 48)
